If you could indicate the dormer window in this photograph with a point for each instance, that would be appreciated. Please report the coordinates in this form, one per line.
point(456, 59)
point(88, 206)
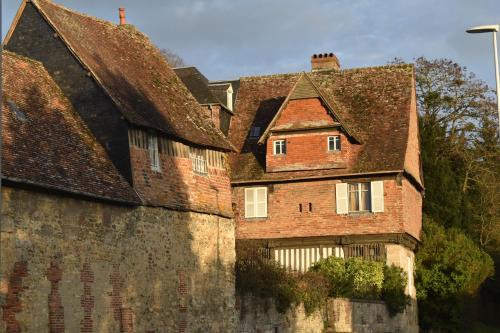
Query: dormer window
point(229, 101)
point(154, 156)
point(279, 147)
point(334, 143)
point(254, 132)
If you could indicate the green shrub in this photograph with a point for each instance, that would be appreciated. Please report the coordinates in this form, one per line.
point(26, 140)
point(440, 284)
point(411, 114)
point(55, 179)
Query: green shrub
point(334, 269)
point(331, 277)
point(354, 277)
point(313, 291)
point(266, 279)
point(367, 277)
point(393, 291)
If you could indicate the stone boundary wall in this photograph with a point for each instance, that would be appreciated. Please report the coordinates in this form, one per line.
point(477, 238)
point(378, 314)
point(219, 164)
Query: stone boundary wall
point(340, 315)
point(70, 265)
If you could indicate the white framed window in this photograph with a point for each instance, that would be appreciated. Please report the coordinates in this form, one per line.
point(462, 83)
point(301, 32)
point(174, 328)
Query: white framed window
point(334, 143)
point(255, 132)
point(360, 197)
point(279, 147)
point(198, 160)
point(154, 155)
point(255, 202)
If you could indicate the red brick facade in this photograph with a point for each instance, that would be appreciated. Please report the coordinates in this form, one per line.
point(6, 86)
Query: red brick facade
point(307, 139)
point(176, 184)
point(319, 217)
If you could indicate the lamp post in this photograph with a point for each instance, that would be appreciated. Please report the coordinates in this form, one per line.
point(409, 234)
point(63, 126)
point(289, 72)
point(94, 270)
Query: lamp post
point(491, 28)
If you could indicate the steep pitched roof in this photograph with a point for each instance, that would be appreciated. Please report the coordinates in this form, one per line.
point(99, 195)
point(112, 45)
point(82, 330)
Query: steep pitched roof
point(305, 88)
point(373, 102)
point(134, 74)
point(45, 143)
point(197, 84)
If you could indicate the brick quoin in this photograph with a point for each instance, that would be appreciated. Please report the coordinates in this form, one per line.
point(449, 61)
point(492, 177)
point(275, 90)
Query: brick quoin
point(182, 292)
point(127, 321)
point(56, 310)
point(117, 284)
point(13, 302)
point(87, 299)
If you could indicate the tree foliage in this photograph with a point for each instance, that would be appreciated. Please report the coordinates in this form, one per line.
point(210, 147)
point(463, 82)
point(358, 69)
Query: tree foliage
point(450, 267)
point(460, 153)
point(173, 59)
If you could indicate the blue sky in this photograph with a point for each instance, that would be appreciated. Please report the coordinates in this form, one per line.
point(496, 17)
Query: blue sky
point(230, 38)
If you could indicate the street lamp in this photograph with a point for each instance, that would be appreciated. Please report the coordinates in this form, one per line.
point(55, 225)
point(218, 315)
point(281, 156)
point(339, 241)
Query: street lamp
point(491, 28)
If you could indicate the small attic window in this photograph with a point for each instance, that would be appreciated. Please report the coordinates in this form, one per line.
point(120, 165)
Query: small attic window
point(254, 132)
point(16, 111)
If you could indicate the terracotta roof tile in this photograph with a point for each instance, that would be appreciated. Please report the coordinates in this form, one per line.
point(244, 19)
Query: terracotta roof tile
point(374, 102)
point(135, 74)
point(45, 143)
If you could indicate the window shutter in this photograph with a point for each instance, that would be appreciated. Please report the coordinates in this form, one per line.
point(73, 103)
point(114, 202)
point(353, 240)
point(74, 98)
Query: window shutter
point(377, 195)
point(249, 203)
point(261, 202)
point(342, 198)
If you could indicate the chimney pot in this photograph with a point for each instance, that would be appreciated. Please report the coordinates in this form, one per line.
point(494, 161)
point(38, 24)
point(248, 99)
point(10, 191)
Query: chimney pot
point(122, 16)
point(322, 61)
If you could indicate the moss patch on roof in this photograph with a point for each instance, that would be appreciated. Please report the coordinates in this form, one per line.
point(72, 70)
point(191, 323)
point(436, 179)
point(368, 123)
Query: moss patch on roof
point(374, 102)
point(135, 75)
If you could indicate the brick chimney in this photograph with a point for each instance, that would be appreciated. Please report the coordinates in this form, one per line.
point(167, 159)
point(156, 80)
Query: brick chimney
point(324, 61)
point(122, 16)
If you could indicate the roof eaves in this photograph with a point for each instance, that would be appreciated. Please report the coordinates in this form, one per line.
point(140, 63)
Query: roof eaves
point(63, 189)
point(345, 175)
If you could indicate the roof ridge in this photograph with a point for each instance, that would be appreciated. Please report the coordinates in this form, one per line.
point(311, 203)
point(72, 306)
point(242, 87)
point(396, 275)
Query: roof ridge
point(354, 69)
point(125, 27)
point(72, 11)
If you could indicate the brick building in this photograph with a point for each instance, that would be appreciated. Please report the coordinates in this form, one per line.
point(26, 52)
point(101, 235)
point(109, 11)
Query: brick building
point(328, 163)
point(125, 182)
point(116, 203)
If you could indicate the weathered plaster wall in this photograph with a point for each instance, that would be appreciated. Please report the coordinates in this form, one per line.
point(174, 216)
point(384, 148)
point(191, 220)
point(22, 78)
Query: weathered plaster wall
point(345, 315)
point(260, 316)
point(69, 265)
point(338, 315)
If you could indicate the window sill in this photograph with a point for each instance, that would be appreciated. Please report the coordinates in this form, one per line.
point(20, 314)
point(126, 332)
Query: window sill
point(256, 219)
point(360, 214)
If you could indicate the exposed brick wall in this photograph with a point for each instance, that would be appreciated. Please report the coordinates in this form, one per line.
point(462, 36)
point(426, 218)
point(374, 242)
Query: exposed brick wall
point(178, 186)
point(412, 156)
point(285, 220)
point(13, 302)
point(87, 298)
point(56, 310)
point(304, 112)
point(214, 113)
point(116, 281)
point(308, 150)
point(412, 209)
point(116, 268)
